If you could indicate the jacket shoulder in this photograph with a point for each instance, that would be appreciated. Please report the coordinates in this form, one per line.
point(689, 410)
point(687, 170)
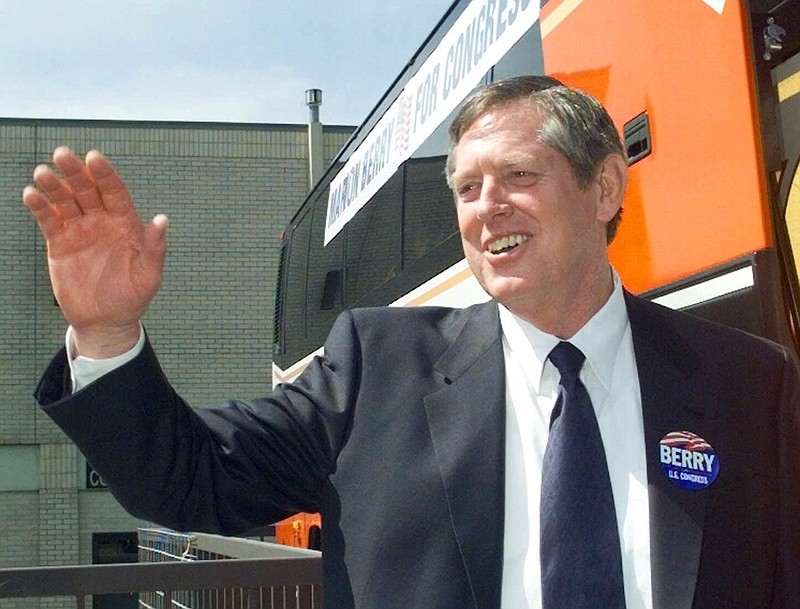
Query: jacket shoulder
point(686, 331)
point(446, 321)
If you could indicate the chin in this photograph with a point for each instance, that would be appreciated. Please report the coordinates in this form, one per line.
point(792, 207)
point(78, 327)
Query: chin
point(506, 289)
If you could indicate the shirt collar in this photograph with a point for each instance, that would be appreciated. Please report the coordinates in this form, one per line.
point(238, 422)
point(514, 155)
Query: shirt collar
point(599, 338)
point(602, 335)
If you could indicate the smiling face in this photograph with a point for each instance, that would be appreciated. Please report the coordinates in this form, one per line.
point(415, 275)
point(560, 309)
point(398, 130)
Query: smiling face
point(534, 238)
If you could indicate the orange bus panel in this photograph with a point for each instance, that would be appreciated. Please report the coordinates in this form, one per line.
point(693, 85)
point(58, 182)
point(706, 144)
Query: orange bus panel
point(700, 198)
point(300, 531)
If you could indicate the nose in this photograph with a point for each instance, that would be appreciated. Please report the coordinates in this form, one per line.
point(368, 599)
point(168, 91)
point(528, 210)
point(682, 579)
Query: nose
point(493, 200)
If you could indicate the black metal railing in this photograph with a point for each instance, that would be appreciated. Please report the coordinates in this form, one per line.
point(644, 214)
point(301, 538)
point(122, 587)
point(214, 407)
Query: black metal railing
point(248, 583)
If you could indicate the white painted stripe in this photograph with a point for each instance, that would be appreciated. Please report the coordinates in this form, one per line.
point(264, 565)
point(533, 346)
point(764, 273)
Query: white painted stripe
point(717, 5)
point(733, 281)
point(561, 12)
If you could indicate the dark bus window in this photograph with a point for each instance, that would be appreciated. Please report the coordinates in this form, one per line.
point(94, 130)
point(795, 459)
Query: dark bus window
point(325, 279)
point(430, 215)
point(294, 303)
point(373, 252)
point(278, 335)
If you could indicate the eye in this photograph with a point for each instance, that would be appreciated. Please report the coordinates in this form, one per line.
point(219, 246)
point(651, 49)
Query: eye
point(521, 176)
point(468, 191)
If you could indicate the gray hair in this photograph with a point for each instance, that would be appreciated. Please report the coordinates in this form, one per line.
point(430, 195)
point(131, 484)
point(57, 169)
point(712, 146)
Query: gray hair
point(573, 122)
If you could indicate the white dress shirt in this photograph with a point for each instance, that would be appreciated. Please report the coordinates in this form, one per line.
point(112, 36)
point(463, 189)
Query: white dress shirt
point(84, 370)
point(611, 379)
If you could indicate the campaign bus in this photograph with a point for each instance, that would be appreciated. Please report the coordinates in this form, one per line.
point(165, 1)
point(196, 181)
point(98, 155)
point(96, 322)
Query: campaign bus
point(706, 94)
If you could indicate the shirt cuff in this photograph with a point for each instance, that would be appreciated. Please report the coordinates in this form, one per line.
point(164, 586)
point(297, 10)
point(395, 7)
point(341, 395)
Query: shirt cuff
point(85, 370)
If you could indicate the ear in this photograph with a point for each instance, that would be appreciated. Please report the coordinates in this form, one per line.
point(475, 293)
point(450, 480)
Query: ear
point(612, 180)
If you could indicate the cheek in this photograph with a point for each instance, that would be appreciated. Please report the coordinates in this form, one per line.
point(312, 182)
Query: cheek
point(467, 222)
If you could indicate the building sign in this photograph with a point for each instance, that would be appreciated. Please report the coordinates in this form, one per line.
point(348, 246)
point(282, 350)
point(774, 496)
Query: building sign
point(93, 479)
point(485, 31)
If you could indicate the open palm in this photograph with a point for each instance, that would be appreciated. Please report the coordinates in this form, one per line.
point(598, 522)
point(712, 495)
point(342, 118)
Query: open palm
point(105, 264)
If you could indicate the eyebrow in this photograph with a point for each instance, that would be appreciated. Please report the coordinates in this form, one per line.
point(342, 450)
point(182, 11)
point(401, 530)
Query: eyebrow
point(542, 159)
point(544, 156)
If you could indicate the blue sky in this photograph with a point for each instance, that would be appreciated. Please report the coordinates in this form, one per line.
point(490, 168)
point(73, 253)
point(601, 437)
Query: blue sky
point(213, 60)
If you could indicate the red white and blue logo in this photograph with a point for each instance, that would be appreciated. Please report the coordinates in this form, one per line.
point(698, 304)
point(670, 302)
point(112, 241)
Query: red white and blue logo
point(688, 460)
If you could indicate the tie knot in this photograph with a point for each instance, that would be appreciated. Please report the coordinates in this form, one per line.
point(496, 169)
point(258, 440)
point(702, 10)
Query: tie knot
point(567, 358)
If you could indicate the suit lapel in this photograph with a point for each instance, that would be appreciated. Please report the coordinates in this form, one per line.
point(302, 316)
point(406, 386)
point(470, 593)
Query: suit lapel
point(467, 425)
point(671, 401)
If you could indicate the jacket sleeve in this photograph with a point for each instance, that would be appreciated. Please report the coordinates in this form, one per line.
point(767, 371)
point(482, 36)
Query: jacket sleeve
point(225, 469)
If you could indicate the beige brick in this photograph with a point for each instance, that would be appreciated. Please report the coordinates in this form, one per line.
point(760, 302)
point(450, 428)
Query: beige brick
point(229, 191)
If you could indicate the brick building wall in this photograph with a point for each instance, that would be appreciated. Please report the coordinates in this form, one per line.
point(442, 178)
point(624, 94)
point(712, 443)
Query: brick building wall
point(229, 190)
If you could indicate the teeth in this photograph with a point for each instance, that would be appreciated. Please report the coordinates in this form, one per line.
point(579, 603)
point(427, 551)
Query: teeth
point(507, 242)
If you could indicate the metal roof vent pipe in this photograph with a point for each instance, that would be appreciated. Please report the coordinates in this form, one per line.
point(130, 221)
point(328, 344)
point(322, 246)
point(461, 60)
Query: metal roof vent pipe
point(315, 147)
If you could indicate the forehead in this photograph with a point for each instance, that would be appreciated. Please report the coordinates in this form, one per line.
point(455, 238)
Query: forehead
point(521, 116)
point(504, 135)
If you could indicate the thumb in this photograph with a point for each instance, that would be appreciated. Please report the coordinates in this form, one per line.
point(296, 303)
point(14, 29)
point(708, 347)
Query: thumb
point(155, 239)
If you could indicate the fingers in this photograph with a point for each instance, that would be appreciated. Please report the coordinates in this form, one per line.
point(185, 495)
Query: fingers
point(78, 182)
point(57, 192)
point(85, 187)
point(112, 190)
point(48, 218)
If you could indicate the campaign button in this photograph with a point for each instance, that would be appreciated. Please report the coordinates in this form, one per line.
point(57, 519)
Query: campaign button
point(688, 460)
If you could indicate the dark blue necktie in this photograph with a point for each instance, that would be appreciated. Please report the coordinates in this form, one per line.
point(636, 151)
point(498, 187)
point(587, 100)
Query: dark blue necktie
point(580, 551)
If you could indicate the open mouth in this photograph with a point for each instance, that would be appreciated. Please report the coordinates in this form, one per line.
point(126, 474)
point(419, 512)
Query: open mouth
point(507, 243)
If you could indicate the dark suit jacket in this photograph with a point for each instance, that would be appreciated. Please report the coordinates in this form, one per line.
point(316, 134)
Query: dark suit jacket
point(396, 436)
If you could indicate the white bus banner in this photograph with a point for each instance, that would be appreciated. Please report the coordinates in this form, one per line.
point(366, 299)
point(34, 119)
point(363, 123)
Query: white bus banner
point(485, 31)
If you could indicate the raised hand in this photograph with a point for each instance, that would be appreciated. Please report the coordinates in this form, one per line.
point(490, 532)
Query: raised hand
point(105, 264)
